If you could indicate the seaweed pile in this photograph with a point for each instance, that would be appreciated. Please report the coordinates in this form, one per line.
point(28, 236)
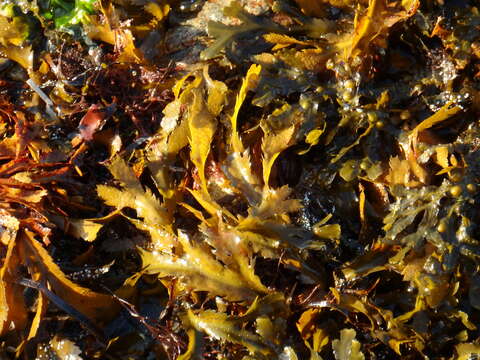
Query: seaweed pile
point(239, 179)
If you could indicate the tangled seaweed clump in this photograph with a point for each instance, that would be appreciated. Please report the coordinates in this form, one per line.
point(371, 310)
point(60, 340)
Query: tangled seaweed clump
point(239, 179)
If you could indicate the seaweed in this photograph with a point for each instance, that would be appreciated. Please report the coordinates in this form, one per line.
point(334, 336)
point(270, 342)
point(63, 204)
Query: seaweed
point(306, 187)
